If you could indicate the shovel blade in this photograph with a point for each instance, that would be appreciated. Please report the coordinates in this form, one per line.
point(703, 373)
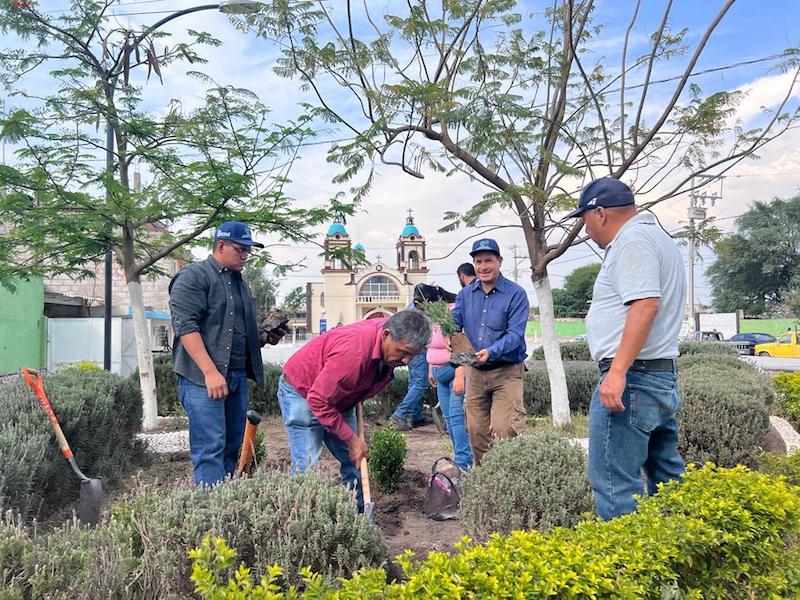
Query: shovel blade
point(369, 512)
point(90, 501)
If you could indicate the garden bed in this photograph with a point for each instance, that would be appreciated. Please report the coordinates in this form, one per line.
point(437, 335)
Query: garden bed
point(399, 514)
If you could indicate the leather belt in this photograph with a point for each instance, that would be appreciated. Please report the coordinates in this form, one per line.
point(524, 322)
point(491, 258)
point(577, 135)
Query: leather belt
point(657, 365)
point(491, 366)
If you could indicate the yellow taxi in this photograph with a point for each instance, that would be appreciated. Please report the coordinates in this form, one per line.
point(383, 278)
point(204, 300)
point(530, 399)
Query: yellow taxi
point(786, 346)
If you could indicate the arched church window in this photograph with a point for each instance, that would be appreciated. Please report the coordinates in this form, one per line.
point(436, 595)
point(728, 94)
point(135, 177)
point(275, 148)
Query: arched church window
point(379, 286)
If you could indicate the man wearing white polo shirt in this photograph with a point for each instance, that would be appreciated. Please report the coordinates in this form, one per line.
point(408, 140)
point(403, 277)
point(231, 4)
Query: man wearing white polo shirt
point(632, 328)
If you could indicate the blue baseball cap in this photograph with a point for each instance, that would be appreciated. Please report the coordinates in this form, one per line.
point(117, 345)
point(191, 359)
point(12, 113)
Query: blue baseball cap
point(237, 232)
point(485, 245)
point(606, 192)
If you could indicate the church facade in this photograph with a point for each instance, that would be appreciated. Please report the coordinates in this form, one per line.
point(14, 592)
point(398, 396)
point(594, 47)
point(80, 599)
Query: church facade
point(353, 293)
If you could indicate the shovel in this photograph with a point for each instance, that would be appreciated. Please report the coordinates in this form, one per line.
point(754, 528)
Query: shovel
point(369, 507)
point(91, 488)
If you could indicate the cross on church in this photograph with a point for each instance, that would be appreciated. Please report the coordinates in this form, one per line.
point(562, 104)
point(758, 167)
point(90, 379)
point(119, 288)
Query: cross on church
point(378, 257)
point(410, 216)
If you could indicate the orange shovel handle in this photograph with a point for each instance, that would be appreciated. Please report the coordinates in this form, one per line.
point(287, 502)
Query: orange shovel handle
point(35, 382)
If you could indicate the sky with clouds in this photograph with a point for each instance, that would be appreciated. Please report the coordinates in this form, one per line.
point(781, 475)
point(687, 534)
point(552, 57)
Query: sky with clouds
point(751, 30)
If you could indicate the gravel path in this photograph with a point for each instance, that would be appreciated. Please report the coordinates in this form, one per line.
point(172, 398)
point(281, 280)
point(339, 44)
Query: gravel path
point(169, 442)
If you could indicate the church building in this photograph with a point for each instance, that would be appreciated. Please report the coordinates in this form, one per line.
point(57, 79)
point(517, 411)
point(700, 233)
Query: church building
point(350, 294)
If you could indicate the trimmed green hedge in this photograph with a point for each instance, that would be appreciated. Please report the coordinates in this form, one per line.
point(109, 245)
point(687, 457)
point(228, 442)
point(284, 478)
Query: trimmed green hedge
point(536, 481)
point(569, 351)
point(264, 401)
point(387, 400)
point(715, 348)
point(100, 414)
point(582, 378)
point(722, 533)
point(724, 415)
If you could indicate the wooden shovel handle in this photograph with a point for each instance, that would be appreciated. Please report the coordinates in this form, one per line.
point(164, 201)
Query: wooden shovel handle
point(363, 466)
point(35, 382)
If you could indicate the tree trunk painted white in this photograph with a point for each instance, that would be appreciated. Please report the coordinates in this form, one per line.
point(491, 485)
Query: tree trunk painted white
point(559, 399)
point(144, 355)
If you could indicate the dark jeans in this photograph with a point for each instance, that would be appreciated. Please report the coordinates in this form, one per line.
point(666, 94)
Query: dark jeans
point(216, 427)
point(643, 436)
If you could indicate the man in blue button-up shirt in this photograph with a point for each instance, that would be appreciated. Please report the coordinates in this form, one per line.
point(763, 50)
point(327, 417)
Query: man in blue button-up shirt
point(493, 313)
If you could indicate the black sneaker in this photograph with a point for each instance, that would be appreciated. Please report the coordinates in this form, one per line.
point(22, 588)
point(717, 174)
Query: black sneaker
point(422, 422)
point(400, 424)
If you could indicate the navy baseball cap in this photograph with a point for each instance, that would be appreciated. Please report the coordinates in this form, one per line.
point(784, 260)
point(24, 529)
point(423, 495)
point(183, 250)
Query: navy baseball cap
point(606, 192)
point(484, 245)
point(237, 232)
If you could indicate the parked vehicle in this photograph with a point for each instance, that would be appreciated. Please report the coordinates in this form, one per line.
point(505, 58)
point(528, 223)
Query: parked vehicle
point(707, 336)
point(745, 343)
point(786, 346)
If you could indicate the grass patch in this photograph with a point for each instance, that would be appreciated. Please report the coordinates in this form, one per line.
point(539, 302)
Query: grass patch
point(578, 427)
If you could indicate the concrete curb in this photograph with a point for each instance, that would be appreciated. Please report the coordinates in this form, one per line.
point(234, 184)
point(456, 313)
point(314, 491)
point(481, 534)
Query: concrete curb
point(782, 433)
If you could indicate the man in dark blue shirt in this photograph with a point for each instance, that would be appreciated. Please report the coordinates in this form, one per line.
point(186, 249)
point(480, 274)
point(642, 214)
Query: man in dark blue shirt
point(493, 313)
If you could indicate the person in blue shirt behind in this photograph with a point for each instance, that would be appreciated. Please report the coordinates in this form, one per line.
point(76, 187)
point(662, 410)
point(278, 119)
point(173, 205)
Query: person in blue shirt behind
point(493, 312)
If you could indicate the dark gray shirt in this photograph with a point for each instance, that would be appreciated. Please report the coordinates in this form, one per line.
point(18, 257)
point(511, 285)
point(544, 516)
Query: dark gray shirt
point(201, 300)
point(239, 345)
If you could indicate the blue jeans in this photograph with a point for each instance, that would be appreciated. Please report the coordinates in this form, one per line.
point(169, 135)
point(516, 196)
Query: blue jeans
point(411, 406)
point(306, 437)
point(643, 436)
point(453, 410)
point(216, 427)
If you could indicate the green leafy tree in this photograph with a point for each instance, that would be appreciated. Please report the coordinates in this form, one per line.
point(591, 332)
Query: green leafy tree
point(65, 209)
point(758, 267)
point(263, 288)
point(295, 300)
point(520, 102)
point(573, 299)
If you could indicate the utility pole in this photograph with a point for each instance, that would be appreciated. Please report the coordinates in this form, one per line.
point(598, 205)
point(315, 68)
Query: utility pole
point(697, 212)
point(517, 258)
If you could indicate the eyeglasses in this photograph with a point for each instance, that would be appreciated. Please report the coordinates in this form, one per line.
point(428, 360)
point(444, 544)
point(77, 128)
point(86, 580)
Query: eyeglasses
point(240, 250)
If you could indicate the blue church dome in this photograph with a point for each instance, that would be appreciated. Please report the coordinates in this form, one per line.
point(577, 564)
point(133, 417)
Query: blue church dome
point(359, 247)
point(337, 228)
point(409, 230)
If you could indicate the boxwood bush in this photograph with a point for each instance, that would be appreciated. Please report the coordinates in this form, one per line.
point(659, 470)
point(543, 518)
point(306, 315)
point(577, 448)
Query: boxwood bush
point(387, 455)
point(569, 351)
point(724, 415)
point(264, 401)
point(722, 533)
point(305, 520)
point(788, 388)
point(582, 378)
point(536, 481)
point(387, 400)
point(715, 348)
point(100, 414)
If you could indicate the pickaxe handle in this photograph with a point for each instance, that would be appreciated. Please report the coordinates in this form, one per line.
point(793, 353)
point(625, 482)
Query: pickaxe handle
point(248, 444)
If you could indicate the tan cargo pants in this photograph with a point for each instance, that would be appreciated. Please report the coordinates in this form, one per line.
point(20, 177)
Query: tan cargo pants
point(494, 406)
